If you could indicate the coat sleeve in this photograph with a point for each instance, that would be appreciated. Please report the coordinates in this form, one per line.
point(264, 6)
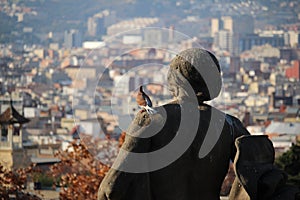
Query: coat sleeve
point(237, 130)
point(117, 184)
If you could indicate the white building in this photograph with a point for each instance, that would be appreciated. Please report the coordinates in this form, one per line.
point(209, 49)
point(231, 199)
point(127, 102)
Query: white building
point(91, 127)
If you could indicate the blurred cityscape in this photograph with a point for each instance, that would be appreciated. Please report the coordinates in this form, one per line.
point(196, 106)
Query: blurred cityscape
point(70, 68)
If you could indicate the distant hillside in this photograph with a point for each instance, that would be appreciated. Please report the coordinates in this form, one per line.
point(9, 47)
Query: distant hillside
point(56, 15)
point(60, 15)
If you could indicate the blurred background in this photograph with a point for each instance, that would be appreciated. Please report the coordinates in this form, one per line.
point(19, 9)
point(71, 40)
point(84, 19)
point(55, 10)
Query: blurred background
point(69, 72)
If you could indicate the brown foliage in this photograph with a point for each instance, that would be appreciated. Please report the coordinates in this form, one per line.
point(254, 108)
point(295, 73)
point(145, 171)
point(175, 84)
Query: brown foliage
point(79, 173)
point(80, 170)
point(13, 182)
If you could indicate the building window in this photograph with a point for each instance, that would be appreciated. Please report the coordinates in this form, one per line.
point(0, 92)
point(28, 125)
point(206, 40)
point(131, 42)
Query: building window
point(4, 133)
point(16, 130)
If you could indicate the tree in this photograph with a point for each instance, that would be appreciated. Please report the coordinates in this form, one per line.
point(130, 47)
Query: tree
point(80, 170)
point(290, 163)
point(13, 183)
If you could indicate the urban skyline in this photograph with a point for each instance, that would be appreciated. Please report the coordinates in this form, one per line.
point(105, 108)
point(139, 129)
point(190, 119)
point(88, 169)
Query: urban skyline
point(74, 67)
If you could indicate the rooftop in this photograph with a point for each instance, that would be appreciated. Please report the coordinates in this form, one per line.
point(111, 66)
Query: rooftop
point(11, 116)
point(283, 128)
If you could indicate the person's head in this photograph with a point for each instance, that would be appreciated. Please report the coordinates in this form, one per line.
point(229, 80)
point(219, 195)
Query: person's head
point(197, 69)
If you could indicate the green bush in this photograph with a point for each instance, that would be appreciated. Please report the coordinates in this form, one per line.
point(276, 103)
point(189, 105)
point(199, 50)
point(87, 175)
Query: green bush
point(45, 179)
point(290, 163)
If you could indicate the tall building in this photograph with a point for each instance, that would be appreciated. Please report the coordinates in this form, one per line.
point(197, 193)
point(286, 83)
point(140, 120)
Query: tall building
point(96, 26)
point(72, 38)
point(227, 31)
point(110, 17)
point(91, 26)
point(246, 42)
point(214, 26)
point(227, 23)
point(224, 38)
point(240, 25)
